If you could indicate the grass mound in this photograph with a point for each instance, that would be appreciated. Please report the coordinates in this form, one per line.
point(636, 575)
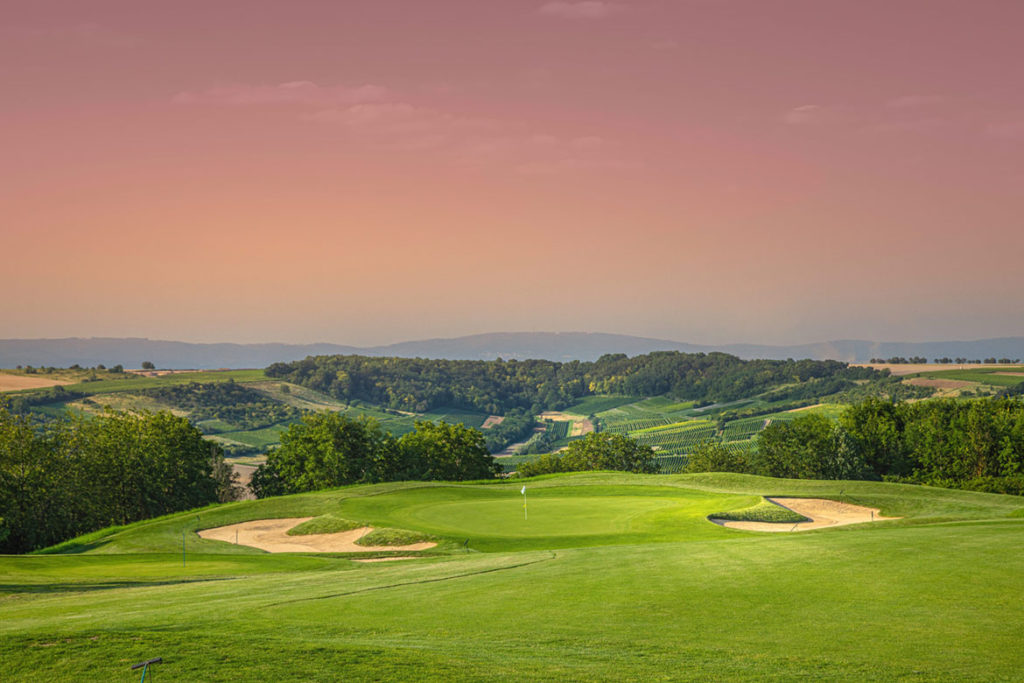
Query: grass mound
point(324, 524)
point(765, 511)
point(393, 537)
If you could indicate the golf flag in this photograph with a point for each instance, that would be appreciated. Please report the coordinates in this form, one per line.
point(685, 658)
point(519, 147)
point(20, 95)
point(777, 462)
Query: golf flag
point(523, 491)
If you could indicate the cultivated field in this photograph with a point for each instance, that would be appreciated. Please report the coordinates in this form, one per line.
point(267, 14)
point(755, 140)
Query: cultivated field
point(16, 382)
point(916, 368)
point(605, 577)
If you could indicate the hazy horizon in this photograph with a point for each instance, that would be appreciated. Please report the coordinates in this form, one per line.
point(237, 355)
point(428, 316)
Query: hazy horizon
point(367, 173)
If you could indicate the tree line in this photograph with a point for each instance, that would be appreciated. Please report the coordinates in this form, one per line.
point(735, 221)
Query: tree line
point(977, 444)
point(595, 451)
point(327, 449)
point(945, 360)
point(499, 386)
point(78, 475)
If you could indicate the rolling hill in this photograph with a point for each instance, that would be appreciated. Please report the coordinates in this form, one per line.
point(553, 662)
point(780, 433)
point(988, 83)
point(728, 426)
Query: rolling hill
point(558, 346)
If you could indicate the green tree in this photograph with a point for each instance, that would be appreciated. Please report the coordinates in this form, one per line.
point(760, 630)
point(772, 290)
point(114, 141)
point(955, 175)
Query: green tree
point(447, 452)
point(596, 451)
point(325, 450)
point(876, 428)
point(83, 474)
point(796, 449)
point(712, 456)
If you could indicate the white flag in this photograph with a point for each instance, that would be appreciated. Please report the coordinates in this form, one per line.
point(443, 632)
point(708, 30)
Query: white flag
point(523, 491)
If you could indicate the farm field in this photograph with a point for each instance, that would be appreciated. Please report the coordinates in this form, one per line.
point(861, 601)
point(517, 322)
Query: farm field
point(134, 383)
point(917, 368)
point(16, 382)
point(998, 376)
point(612, 577)
point(674, 428)
point(128, 392)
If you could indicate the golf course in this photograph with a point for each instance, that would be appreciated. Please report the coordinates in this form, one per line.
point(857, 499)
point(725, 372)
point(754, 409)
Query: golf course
point(596, 576)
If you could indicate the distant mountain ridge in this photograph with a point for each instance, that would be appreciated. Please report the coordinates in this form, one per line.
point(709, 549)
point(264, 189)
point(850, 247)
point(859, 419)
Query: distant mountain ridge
point(558, 346)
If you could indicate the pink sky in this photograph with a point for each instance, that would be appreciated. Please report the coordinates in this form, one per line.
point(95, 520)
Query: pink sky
point(373, 171)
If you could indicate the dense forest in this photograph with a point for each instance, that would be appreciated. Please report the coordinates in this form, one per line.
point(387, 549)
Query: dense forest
point(977, 444)
point(498, 387)
point(78, 475)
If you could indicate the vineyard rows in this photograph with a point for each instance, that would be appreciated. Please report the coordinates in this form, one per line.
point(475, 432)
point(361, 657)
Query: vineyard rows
point(635, 425)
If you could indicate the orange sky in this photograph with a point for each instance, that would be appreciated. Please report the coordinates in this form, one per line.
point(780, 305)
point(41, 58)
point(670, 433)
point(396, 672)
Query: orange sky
point(365, 172)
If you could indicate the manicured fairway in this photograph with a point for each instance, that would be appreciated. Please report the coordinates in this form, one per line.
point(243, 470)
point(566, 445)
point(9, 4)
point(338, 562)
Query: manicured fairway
point(619, 578)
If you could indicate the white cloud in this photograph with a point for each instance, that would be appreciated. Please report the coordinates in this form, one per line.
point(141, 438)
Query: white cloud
point(292, 92)
point(584, 9)
point(803, 115)
point(914, 101)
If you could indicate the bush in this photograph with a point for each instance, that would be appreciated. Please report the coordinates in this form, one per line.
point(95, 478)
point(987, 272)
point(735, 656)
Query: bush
point(596, 451)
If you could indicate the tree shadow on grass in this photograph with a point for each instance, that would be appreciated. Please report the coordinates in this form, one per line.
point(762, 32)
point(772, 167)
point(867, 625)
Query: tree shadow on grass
point(89, 586)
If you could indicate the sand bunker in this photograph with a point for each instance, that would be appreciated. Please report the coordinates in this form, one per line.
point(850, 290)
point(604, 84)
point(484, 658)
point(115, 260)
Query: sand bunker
point(821, 512)
point(271, 535)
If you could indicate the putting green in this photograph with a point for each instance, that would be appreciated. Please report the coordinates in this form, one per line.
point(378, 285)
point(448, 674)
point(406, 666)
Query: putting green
point(554, 516)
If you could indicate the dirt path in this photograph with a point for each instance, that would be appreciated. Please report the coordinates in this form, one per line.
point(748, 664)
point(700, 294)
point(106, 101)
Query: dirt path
point(244, 477)
point(492, 421)
point(821, 512)
point(271, 535)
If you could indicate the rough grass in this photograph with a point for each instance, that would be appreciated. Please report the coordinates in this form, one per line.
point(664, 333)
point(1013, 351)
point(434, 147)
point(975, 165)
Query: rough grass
point(130, 382)
point(591, 405)
point(765, 511)
point(324, 524)
point(987, 376)
point(387, 536)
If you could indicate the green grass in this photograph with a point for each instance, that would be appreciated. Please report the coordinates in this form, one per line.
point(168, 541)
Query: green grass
point(612, 577)
point(509, 463)
point(133, 383)
point(257, 438)
point(591, 405)
point(987, 376)
point(385, 536)
point(324, 524)
point(764, 511)
point(455, 416)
